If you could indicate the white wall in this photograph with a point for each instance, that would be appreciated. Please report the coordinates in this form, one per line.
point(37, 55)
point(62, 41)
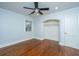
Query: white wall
point(69, 35)
point(12, 28)
point(37, 28)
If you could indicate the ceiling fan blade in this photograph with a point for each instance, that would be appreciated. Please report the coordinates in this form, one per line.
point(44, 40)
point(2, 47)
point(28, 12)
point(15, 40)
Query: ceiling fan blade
point(36, 4)
point(32, 12)
point(41, 13)
point(43, 8)
point(28, 8)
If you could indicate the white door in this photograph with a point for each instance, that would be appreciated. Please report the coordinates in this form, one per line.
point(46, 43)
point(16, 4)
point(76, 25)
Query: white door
point(71, 30)
point(51, 30)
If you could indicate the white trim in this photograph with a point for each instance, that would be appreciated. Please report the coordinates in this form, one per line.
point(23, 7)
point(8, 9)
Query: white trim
point(63, 44)
point(40, 38)
point(12, 43)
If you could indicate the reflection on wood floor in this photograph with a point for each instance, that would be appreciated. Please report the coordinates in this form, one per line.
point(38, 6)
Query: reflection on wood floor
point(36, 47)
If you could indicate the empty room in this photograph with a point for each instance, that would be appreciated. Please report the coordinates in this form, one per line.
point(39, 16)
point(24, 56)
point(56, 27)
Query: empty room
point(39, 28)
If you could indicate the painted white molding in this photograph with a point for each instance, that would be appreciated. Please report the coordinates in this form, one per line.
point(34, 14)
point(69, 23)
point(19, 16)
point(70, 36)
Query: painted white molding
point(9, 44)
point(40, 38)
point(63, 44)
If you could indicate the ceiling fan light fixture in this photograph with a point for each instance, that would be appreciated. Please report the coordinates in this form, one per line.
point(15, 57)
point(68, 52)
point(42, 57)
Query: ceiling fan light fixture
point(56, 8)
point(36, 10)
point(37, 14)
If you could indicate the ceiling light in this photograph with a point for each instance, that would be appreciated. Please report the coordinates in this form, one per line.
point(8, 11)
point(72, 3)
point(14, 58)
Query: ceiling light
point(36, 10)
point(56, 8)
point(37, 14)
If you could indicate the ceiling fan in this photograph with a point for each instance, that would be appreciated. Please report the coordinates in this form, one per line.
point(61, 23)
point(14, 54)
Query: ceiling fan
point(36, 9)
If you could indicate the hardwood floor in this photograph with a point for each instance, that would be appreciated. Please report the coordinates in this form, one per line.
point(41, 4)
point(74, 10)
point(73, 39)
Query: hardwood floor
point(36, 47)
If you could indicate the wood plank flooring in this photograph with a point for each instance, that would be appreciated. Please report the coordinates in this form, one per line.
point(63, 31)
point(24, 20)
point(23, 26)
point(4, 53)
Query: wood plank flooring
point(36, 47)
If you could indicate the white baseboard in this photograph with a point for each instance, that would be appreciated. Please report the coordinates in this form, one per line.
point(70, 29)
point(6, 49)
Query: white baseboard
point(12, 43)
point(40, 38)
point(63, 44)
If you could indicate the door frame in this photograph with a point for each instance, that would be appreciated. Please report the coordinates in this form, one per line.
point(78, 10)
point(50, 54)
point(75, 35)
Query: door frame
point(58, 26)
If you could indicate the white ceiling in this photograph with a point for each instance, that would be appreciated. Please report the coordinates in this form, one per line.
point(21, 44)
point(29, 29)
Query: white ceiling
point(18, 6)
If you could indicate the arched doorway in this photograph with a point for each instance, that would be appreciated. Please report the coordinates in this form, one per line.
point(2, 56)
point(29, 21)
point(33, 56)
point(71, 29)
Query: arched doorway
point(51, 29)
